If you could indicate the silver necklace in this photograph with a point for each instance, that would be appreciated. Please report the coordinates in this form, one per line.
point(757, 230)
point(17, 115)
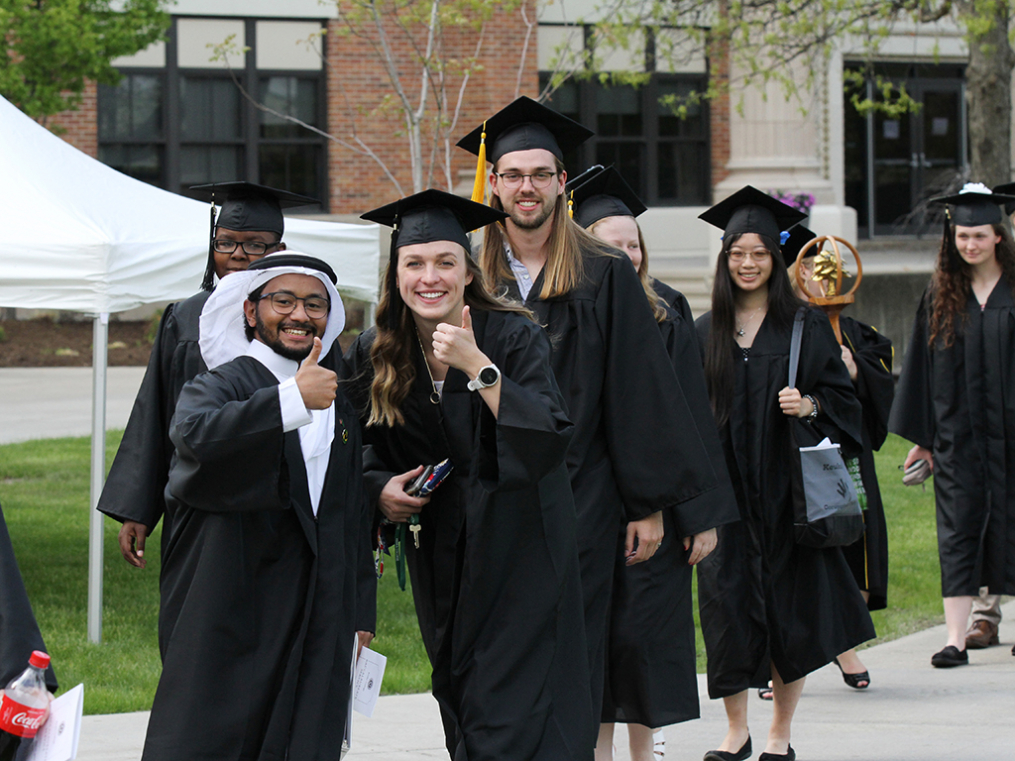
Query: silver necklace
point(741, 325)
point(435, 397)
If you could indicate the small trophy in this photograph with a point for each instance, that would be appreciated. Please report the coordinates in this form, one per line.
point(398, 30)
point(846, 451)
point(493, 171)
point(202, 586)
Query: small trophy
point(829, 271)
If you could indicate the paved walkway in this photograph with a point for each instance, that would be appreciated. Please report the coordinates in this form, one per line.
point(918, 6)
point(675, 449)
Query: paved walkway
point(911, 712)
point(51, 402)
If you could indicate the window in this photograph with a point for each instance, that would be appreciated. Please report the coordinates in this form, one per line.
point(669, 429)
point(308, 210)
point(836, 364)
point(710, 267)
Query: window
point(180, 119)
point(664, 157)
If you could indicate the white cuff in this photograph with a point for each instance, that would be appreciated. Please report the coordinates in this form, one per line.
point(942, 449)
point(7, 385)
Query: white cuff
point(294, 412)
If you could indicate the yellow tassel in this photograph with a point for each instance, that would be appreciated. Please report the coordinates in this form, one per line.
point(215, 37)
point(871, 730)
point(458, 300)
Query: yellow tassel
point(570, 205)
point(479, 187)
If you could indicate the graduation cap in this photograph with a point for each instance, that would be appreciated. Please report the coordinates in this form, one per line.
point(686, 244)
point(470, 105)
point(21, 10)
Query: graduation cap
point(1007, 189)
point(246, 207)
point(751, 211)
point(433, 215)
point(799, 236)
point(599, 193)
point(975, 205)
point(521, 126)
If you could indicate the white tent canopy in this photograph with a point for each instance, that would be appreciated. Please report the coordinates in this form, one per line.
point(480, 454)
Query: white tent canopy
point(80, 236)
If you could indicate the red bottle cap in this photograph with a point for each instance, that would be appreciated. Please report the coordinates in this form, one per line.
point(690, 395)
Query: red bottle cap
point(39, 659)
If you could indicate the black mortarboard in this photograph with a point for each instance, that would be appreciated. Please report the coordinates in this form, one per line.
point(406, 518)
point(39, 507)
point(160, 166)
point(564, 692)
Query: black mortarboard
point(1007, 189)
point(524, 125)
point(799, 236)
point(283, 259)
point(434, 215)
point(751, 211)
point(599, 193)
point(975, 205)
point(246, 207)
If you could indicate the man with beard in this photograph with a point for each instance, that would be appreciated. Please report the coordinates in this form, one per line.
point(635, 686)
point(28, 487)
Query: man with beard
point(636, 450)
point(266, 523)
point(249, 226)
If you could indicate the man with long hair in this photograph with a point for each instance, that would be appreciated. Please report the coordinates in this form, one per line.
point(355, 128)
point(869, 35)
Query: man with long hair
point(636, 450)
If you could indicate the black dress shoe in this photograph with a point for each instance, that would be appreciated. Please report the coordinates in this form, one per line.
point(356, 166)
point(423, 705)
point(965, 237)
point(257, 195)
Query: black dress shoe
point(725, 755)
point(789, 755)
point(950, 656)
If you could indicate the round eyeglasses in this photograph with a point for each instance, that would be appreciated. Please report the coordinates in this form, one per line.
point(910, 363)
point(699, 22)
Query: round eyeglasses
point(285, 303)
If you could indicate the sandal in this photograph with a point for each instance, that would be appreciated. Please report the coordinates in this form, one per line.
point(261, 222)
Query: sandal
point(859, 681)
point(765, 693)
point(658, 746)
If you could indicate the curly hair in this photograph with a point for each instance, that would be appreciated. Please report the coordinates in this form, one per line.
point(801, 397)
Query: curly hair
point(953, 278)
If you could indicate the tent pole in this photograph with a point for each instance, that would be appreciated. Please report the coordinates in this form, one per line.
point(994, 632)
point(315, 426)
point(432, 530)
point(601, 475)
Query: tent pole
point(100, 337)
point(370, 315)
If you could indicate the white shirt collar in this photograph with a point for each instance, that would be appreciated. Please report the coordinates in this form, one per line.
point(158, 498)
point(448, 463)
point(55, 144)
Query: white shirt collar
point(282, 368)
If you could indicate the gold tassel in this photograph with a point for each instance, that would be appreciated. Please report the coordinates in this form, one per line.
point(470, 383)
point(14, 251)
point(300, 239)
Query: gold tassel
point(570, 206)
point(479, 186)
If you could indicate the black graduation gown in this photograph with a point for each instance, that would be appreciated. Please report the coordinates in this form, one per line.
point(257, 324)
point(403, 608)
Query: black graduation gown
point(959, 402)
point(134, 489)
point(764, 598)
point(258, 597)
point(634, 450)
point(495, 580)
point(651, 676)
point(875, 388)
point(19, 633)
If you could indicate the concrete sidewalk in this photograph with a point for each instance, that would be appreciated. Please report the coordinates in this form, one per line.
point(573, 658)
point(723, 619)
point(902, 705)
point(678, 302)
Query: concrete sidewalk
point(51, 402)
point(911, 712)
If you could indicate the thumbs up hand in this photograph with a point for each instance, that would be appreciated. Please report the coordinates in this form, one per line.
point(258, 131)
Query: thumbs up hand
point(317, 384)
point(456, 347)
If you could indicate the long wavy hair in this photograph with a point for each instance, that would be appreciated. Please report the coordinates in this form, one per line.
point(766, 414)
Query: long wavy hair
point(720, 347)
point(953, 279)
point(392, 351)
point(563, 270)
point(655, 301)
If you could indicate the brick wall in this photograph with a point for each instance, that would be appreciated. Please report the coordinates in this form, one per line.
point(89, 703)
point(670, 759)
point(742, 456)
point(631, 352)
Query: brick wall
point(81, 127)
point(719, 111)
point(356, 75)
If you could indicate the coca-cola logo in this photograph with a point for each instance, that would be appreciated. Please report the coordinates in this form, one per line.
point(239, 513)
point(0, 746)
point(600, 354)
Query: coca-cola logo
point(20, 720)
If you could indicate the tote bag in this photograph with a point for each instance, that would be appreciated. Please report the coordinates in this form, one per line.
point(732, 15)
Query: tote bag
point(826, 510)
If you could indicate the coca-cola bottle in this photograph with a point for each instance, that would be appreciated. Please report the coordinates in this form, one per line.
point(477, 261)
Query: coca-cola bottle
point(23, 706)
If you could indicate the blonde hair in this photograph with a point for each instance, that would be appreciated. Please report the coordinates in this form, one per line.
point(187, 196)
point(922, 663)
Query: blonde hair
point(391, 354)
point(655, 301)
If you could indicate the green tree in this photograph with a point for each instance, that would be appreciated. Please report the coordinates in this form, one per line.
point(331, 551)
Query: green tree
point(55, 46)
point(788, 42)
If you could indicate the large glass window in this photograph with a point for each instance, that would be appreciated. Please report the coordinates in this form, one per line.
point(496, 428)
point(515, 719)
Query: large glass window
point(188, 122)
point(663, 156)
point(131, 126)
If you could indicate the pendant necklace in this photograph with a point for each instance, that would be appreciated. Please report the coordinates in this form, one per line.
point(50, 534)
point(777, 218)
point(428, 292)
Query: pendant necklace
point(742, 325)
point(435, 397)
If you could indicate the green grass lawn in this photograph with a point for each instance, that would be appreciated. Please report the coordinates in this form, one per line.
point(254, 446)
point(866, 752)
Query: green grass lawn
point(44, 494)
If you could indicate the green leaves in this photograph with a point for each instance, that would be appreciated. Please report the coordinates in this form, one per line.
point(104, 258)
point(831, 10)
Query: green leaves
point(54, 46)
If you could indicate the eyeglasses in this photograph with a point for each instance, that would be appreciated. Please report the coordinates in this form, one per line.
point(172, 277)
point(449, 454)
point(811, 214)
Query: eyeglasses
point(758, 256)
point(285, 303)
point(539, 180)
point(250, 247)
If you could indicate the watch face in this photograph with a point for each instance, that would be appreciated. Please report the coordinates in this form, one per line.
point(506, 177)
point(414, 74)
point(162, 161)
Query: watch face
point(488, 376)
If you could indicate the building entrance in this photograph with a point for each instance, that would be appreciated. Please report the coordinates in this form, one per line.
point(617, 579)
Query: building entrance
point(895, 162)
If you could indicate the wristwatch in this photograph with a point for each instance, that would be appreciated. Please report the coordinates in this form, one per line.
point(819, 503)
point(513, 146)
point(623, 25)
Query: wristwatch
point(488, 376)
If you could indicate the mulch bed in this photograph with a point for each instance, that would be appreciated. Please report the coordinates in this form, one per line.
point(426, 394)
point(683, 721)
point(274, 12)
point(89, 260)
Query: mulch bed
point(44, 343)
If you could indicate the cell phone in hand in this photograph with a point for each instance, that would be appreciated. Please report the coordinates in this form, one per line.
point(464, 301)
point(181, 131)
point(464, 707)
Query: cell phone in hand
point(413, 489)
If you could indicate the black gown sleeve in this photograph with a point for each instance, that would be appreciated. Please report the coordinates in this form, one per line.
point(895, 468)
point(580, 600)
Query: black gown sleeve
point(134, 488)
point(19, 633)
point(823, 375)
point(530, 436)
point(912, 415)
point(222, 441)
point(875, 386)
point(658, 459)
